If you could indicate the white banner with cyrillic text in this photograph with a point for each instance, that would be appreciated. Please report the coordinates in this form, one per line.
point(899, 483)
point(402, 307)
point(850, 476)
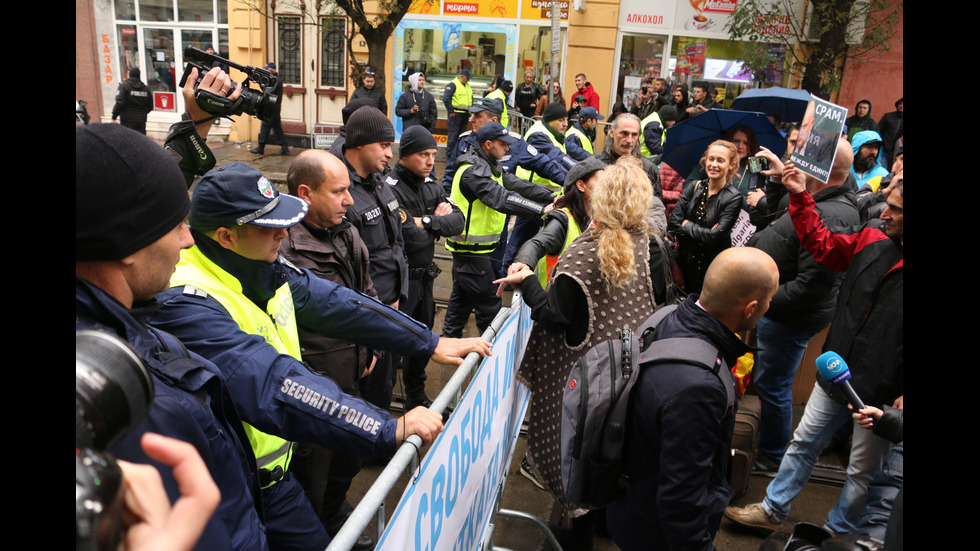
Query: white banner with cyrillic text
point(449, 503)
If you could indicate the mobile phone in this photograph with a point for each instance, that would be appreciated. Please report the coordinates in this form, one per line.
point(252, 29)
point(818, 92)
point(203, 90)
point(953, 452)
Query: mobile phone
point(758, 164)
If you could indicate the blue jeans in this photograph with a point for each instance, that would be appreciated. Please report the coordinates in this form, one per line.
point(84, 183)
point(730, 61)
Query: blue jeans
point(781, 347)
point(822, 418)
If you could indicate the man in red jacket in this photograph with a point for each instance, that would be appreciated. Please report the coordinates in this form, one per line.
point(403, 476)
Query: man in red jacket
point(585, 89)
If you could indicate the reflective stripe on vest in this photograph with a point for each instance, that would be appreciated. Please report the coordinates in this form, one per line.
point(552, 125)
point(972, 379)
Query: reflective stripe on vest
point(277, 325)
point(525, 174)
point(548, 262)
point(462, 96)
point(499, 94)
point(586, 142)
point(644, 150)
point(483, 224)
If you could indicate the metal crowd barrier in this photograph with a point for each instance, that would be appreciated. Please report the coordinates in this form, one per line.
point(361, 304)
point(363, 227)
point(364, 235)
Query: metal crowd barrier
point(372, 504)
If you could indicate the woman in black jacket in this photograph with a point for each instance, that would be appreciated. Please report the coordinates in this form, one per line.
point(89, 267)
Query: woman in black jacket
point(704, 216)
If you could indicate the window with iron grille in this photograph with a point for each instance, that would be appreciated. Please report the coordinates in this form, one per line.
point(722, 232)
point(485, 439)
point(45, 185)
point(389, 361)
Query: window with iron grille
point(290, 50)
point(333, 61)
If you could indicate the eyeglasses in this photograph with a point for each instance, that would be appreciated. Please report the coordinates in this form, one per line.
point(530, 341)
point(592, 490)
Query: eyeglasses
point(369, 73)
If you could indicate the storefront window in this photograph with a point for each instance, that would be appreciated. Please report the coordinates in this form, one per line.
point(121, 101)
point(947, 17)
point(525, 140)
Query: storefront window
point(641, 56)
point(711, 61)
point(142, 42)
point(333, 63)
point(125, 9)
point(156, 10)
point(199, 39)
point(128, 50)
point(290, 50)
point(441, 49)
point(159, 47)
point(222, 46)
point(195, 10)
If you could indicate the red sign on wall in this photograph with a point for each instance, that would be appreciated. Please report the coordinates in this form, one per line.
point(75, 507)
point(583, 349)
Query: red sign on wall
point(165, 101)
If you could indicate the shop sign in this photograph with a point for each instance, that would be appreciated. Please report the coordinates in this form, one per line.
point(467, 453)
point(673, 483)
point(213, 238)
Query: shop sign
point(165, 101)
point(706, 17)
point(476, 8)
point(541, 9)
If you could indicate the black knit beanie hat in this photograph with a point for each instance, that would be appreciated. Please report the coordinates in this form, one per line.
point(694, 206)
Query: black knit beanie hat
point(553, 112)
point(368, 125)
point(414, 139)
point(128, 192)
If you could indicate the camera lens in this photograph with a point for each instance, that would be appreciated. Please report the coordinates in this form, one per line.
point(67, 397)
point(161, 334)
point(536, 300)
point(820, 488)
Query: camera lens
point(113, 390)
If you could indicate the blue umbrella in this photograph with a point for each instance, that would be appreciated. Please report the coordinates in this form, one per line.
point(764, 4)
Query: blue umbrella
point(688, 140)
point(789, 105)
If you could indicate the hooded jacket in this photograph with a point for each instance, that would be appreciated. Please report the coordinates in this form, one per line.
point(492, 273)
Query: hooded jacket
point(417, 96)
point(857, 123)
point(591, 97)
point(877, 171)
point(133, 101)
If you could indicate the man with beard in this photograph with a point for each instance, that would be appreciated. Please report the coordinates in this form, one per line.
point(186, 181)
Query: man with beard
point(367, 90)
point(867, 151)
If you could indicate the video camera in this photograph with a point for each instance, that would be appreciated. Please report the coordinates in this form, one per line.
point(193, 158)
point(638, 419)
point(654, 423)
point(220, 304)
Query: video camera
point(113, 391)
point(256, 103)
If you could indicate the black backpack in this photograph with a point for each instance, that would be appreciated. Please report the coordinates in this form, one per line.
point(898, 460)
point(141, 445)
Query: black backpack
point(595, 405)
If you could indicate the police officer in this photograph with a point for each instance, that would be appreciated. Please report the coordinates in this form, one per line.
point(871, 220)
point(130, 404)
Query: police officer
point(501, 93)
point(579, 137)
point(547, 135)
point(552, 166)
point(426, 214)
point(457, 97)
point(653, 136)
point(486, 193)
point(133, 102)
point(235, 302)
point(367, 149)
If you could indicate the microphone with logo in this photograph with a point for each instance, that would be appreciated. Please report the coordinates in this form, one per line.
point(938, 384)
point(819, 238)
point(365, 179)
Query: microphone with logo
point(834, 369)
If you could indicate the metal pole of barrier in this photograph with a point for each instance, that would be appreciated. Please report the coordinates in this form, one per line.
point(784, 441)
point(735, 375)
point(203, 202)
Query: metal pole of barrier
point(537, 522)
point(372, 504)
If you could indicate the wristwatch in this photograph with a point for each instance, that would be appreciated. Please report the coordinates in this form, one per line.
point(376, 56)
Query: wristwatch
point(426, 221)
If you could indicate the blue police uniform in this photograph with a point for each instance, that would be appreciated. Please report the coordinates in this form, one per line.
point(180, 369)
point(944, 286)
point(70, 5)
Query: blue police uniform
point(192, 404)
point(275, 392)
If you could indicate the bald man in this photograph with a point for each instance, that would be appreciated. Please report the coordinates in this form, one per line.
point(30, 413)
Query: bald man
point(682, 415)
point(329, 246)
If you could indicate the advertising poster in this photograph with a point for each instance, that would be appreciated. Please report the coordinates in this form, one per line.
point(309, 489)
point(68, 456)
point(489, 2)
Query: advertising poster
point(691, 61)
point(820, 131)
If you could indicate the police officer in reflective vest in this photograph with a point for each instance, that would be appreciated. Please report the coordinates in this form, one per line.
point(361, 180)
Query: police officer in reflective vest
point(234, 301)
point(502, 93)
point(486, 194)
point(546, 135)
point(457, 97)
point(578, 139)
point(653, 136)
